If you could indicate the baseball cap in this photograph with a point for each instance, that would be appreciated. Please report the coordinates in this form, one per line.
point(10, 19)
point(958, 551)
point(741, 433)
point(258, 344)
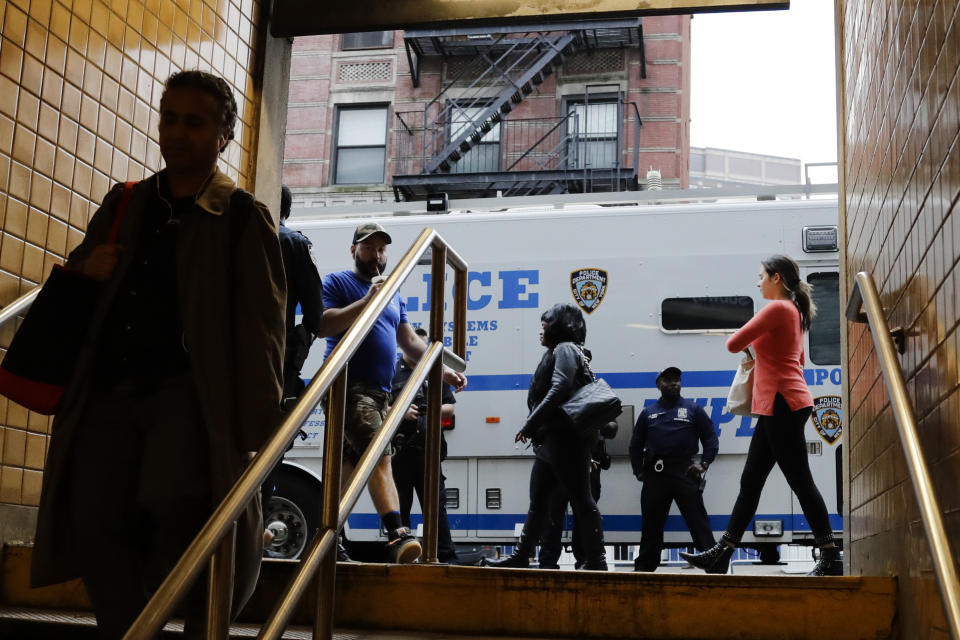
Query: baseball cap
point(669, 370)
point(368, 229)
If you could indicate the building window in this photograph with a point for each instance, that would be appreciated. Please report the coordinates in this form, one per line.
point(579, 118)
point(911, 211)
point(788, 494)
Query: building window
point(366, 40)
point(825, 326)
point(705, 313)
point(483, 156)
point(361, 145)
point(593, 129)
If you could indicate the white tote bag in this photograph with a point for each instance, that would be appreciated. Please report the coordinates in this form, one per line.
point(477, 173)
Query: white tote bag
point(740, 398)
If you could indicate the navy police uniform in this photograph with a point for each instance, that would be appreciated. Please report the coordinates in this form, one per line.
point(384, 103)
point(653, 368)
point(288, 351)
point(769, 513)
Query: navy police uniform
point(409, 461)
point(304, 288)
point(664, 443)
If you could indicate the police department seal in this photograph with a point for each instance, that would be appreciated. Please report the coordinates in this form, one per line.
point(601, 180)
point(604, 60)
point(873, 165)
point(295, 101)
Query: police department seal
point(827, 417)
point(588, 287)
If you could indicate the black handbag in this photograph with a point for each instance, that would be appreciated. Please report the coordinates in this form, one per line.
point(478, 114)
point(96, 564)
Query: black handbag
point(44, 351)
point(592, 405)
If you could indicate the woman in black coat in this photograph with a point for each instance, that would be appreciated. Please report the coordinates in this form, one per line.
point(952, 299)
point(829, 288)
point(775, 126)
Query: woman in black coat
point(562, 457)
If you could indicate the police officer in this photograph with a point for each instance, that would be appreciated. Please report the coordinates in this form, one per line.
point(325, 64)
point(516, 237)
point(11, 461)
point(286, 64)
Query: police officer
point(409, 458)
point(304, 287)
point(662, 452)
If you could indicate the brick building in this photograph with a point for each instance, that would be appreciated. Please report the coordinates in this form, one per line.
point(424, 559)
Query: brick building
point(567, 107)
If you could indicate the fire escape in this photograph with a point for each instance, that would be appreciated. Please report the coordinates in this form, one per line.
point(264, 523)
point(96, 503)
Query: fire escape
point(464, 141)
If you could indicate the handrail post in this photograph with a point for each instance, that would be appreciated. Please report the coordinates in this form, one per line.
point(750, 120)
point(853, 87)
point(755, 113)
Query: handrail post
point(220, 589)
point(330, 516)
point(865, 292)
point(431, 481)
point(460, 312)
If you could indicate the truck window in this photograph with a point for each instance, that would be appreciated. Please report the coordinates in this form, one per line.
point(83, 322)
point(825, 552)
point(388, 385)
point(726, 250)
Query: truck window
point(705, 313)
point(825, 328)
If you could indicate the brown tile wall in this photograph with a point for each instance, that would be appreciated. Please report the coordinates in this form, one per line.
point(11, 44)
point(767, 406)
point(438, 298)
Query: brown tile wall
point(80, 81)
point(900, 61)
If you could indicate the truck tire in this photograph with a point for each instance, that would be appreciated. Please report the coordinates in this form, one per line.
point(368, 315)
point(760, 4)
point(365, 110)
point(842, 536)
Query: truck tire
point(769, 554)
point(292, 515)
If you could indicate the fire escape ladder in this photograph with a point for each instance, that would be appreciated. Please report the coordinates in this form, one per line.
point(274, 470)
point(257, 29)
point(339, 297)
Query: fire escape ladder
point(518, 74)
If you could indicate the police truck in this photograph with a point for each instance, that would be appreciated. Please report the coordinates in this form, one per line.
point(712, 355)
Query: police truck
point(661, 283)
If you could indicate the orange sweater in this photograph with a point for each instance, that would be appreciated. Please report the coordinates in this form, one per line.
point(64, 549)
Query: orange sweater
point(777, 339)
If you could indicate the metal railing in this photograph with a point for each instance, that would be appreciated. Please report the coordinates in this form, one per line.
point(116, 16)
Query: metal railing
point(215, 542)
point(530, 144)
point(19, 306)
point(865, 295)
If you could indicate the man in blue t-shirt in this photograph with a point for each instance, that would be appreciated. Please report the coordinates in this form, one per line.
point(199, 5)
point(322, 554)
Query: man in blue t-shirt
point(345, 295)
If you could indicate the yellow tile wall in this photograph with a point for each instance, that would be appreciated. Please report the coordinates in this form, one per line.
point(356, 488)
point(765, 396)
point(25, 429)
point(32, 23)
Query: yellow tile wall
point(901, 102)
point(80, 82)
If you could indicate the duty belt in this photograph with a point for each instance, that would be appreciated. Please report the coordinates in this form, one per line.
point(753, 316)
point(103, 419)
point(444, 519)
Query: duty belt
point(662, 463)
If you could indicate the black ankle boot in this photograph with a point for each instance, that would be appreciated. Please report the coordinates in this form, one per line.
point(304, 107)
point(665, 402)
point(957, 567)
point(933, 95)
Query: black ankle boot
point(516, 560)
point(526, 546)
point(829, 563)
point(716, 559)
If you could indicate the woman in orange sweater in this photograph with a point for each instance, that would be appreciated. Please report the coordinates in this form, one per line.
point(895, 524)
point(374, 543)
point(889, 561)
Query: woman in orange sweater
point(783, 403)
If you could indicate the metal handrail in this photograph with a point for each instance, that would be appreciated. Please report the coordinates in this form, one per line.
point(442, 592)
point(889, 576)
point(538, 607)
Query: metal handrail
point(214, 542)
point(865, 295)
point(18, 306)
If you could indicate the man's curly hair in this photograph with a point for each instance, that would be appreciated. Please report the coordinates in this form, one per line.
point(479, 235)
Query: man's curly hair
point(216, 86)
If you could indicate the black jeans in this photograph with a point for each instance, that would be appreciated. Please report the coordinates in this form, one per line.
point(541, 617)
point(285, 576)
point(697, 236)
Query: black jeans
point(550, 545)
point(658, 493)
point(568, 470)
point(408, 466)
point(778, 439)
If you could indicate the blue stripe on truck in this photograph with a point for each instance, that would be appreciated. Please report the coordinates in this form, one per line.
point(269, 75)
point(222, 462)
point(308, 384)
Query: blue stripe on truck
point(506, 522)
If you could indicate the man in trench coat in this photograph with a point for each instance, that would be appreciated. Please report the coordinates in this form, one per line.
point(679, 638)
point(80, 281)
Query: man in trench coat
point(180, 377)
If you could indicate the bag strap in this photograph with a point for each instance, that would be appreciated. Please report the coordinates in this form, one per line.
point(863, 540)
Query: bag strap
point(586, 362)
point(121, 210)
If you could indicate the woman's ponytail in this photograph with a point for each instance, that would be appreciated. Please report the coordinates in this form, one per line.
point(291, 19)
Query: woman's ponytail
point(800, 291)
point(802, 296)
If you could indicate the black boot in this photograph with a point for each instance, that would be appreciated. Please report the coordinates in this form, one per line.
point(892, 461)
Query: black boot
point(829, 563)
point(716, 559)
point(596, 551)
point(526, 546)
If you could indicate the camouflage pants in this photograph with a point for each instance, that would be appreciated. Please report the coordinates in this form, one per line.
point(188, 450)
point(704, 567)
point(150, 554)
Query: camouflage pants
point(366, 408)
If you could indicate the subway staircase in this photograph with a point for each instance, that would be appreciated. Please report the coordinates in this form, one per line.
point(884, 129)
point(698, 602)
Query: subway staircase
point(377, 602)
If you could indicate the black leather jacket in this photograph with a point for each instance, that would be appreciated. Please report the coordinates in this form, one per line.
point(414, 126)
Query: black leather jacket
point(561, 371)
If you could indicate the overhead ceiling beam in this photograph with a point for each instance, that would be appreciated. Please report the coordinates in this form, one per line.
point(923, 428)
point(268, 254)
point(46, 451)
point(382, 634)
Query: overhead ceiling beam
point(313, 17)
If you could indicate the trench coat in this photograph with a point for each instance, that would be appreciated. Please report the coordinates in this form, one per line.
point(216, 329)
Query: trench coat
point(232, 301)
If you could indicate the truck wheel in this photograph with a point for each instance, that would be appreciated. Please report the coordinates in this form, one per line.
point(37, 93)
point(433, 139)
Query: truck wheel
point(769, 554)
point(292, 515)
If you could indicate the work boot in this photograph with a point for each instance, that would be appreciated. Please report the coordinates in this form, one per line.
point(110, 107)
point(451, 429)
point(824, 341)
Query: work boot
point(526, 546)
point(716, 559)
point(403, 547)
point(829, 563)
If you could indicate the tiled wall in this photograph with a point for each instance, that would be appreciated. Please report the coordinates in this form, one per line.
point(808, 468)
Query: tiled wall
point(900, 60)
point(80, 82)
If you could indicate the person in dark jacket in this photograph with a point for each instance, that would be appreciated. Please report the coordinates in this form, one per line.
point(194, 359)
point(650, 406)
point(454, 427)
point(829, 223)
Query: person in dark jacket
point(562, 456)
point(304, 289)
point(662, 450)
point(409, 457)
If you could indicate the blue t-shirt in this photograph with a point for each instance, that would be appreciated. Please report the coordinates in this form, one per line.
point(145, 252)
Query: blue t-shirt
point(374, 361)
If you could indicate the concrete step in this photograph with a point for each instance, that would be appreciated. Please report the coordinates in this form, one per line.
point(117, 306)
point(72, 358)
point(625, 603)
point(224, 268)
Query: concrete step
point(451, 601)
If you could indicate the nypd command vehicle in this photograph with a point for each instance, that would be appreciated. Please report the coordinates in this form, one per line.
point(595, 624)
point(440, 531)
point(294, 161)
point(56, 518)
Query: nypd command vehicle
point(660, 284)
